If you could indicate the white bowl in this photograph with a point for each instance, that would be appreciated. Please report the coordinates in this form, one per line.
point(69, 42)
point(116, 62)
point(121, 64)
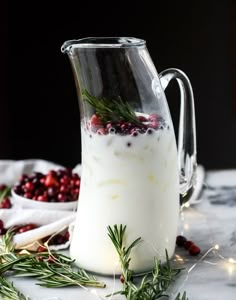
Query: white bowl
point(23, 202)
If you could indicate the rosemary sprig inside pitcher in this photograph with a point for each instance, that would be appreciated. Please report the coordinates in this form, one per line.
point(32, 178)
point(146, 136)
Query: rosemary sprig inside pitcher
point(109, 110)
point(151, 286)
point(51, 269)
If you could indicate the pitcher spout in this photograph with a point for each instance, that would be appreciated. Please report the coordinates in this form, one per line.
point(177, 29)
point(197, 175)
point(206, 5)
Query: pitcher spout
point(102, 42)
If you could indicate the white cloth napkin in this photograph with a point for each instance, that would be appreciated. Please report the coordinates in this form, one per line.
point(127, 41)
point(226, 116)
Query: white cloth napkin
point(48, 222)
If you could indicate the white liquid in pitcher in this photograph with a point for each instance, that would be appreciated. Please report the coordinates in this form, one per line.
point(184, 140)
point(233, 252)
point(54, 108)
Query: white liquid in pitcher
point(129, 180)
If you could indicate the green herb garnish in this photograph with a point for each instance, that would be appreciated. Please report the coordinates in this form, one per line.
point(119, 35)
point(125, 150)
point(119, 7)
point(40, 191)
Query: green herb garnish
point(51, 269)
point(151, 286)
point(9, 292)
point(110, 110)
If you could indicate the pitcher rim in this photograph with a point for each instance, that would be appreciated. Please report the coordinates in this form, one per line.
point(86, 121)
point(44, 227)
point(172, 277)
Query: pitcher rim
point(102, 42)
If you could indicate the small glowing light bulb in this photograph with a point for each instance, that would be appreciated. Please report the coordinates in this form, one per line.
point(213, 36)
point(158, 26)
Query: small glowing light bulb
point(94, 292)
point(116, 263)
point(217, 247)
point(186, 226)
point(187, 204)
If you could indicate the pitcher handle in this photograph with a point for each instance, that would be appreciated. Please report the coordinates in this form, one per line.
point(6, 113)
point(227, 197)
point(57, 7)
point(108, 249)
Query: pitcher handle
point(187, 153)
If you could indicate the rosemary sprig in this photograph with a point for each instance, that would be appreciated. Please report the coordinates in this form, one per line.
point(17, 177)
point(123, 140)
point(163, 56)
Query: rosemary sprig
point(9, 292)
point(117, 237)
point(111, 110)
point(152, 286)
point(51, 269)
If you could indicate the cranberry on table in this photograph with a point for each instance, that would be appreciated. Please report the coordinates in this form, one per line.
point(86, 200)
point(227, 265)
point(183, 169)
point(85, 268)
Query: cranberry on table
point(194, 250)
point(180, 240)
point(188, 244)
point(5, 203)
point(27, 227)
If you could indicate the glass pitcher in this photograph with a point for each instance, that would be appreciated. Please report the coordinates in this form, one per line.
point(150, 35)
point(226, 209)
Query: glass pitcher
point(132, 173)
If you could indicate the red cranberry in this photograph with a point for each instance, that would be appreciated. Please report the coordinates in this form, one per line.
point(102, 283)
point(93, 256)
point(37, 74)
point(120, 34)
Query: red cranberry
point(18, 189)
point(153, 117)
point(61, 197)
point(28, 195)
point(75, 193)
point(53, 173)
point(40, 258)
point(5, 203)
point(52, 191)
point(26, 228)
point(75, 176)
point(154, 124)
point(65, 179)
point(188, 244)
point(194, 250)
point(42, 180)
point(2, 187)
point(42, 198)
point(77, 183)
point(102, 131)
point(58, 239)
point(24, 178)
point(3, 231)
point(122, 278)
point(95, 121)
point(180, 240)
point(50, 181)
point(41, 249)
point(67, 235)
point(1, 224)
point(72, 182)
point(39, 192)
point(142, 119)
point(64, 188)
point(51, 259)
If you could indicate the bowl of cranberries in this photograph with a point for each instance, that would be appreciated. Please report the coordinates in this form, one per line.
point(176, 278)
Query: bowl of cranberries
point(57, 189)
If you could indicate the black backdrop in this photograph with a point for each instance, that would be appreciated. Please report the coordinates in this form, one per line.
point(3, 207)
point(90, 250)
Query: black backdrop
point(39, 109)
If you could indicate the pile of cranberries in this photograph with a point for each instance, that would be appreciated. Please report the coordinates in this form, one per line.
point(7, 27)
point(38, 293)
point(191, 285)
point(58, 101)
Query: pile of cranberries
point(56, 186)
point(144, 124)
point(190, 246)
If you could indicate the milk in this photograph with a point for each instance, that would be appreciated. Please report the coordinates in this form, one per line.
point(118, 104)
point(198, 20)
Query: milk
point(129, 180)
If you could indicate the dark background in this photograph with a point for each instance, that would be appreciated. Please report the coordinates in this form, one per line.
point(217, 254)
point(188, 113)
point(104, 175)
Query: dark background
point(39, 109)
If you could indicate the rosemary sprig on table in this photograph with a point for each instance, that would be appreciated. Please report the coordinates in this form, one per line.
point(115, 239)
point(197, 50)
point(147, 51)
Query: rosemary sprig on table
point(152, 286)
point(109, 110)
point(51, 269)
point(9, 292)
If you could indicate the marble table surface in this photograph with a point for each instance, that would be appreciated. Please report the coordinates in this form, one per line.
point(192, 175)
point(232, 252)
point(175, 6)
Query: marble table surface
point(211, 223)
